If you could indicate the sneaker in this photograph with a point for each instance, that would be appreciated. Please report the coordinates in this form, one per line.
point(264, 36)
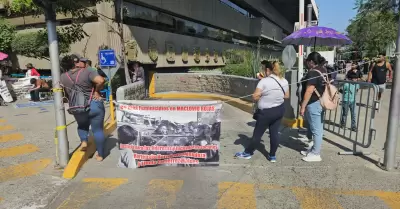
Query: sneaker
point(311, 157)
point(305, 153)
point(272, 159)
point(243, 155)
point(310, 145)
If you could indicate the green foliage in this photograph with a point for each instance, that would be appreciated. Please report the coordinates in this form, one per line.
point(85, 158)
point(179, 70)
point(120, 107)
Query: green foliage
point(374, 27)
point(240, 63)
point(7, 33)
point(35, 44)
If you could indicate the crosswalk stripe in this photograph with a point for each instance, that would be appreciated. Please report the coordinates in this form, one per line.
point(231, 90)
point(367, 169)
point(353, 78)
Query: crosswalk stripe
point(392, 199)
point(11, 137)
point(6, 128)
point(23, 170)
point(236, 195)
point(90, 189)
point(2, 121)
point(316, 198)
point(162, 192)
point(18, 150)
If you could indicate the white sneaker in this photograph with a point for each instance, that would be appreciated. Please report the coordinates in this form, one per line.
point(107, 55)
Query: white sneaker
point(305, 153)
point(311, 157)
point(310, 145)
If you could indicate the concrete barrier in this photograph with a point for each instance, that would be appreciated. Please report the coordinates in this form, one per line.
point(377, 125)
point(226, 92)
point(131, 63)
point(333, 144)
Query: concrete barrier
point(133, 91)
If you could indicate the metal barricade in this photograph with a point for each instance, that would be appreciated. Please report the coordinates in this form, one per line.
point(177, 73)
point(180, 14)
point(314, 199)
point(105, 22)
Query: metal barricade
point(360, 99)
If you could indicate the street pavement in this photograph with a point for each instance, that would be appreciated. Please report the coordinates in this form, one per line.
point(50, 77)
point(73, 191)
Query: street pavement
point(29, 180)
point(28, 177)
point(339, 181)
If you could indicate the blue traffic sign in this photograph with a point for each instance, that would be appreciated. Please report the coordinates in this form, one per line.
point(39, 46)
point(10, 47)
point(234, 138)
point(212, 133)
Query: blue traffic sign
point(107, 58)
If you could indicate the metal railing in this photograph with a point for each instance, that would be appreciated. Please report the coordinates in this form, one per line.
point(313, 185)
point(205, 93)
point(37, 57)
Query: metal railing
point(360, 99)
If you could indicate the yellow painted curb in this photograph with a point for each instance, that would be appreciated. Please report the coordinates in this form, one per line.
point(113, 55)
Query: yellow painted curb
point(79, 158)
point(293, 123)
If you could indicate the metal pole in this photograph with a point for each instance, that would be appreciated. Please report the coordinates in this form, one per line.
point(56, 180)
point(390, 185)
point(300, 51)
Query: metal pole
point(393, 120)
point(301, 50)
point(111, 96)
point(309, 19)
point(61, 127)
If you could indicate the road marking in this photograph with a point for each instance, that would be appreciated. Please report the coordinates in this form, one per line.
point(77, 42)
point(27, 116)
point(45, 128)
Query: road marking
point(161, 193)
point(23, 170)
point(392, 199)
point(6, 128)
point(2, 121)
point(11, 137)
point(316, 198)
point(236, 195)
point(18, 150)
point(90, 189)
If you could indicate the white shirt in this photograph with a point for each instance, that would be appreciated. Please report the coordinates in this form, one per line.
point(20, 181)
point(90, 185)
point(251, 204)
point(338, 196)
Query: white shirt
point(272, 94)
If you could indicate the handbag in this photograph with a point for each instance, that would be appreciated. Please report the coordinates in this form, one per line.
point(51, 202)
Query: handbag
point(257, 111)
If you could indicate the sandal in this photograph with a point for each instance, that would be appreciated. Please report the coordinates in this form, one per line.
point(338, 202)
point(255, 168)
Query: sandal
point(98, 158)
point(83, 146)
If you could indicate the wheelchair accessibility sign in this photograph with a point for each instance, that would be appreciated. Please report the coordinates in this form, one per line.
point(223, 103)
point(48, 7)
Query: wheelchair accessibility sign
point(107, 58)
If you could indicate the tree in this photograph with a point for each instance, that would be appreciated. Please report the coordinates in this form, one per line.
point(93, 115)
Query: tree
point(372, 29)
point(7, 33)
point(79, 10)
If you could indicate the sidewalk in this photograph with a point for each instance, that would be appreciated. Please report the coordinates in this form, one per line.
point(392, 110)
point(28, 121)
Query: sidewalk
point(337, 181)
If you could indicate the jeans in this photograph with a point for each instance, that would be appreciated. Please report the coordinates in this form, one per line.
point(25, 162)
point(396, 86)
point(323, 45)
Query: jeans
point(314, 115)
point(95, 119)
point(35, 93)
point(267, 118)
point(345, 109)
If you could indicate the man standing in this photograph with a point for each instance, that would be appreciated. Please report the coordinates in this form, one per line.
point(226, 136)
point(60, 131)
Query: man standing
point(138, 72)
point(377, 74)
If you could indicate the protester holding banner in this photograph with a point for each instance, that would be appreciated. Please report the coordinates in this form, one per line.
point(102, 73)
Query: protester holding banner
point(269, 95)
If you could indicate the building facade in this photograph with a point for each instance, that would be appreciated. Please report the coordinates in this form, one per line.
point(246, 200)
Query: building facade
point(181, 33)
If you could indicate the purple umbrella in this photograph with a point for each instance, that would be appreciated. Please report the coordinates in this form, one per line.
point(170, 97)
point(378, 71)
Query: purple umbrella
point(316, 35)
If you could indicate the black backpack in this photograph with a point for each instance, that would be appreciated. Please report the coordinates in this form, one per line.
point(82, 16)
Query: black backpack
point(78, 102)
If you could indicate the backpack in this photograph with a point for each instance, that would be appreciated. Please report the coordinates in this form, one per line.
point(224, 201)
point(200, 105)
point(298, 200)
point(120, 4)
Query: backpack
point(78, 101)
point(330, 98)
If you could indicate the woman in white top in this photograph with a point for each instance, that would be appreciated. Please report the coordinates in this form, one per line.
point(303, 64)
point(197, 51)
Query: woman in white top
point(270, 95)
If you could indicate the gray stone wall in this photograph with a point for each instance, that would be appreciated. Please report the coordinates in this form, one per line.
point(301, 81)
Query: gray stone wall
point(133, 91)
point(228, 85)
point(234, 86)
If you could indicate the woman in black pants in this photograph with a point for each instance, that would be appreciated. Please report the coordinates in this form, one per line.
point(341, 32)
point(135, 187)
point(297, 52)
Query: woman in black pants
point(269, 95)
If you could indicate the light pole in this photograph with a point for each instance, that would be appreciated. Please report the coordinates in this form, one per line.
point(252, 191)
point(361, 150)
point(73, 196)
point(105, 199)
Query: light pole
point(61, 128)
point(301, 49)
point(394, 113)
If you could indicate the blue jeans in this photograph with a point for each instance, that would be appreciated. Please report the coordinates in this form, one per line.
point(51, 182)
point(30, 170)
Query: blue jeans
point(314, 115)
point(94, 119)
point(345, 109)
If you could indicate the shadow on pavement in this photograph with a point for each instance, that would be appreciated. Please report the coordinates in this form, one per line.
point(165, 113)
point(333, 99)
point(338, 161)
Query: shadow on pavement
point(245, 141)
point(110, 144)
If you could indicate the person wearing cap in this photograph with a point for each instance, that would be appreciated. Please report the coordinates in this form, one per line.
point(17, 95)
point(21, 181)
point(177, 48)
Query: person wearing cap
point(88, 81)
point(31, 71)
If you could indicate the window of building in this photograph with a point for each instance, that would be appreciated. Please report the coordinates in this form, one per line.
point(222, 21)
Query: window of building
point(237, 8)
point(149, 18)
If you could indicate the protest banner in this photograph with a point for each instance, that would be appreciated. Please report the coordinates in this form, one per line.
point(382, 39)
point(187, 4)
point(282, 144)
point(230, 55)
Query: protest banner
point(168, 133)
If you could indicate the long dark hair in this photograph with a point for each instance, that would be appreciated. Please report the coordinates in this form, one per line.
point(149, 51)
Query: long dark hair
point(316, 58)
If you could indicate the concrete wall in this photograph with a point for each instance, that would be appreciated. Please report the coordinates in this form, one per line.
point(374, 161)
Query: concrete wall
point(228, 85)
point(133, 91)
